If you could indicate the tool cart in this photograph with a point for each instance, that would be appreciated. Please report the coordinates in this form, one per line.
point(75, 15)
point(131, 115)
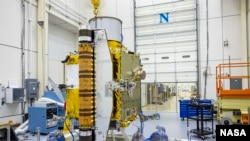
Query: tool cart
point(200, 118)
point(191, 111)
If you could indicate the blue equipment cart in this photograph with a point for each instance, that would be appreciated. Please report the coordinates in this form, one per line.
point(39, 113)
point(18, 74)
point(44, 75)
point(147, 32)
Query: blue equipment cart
point(192, 111)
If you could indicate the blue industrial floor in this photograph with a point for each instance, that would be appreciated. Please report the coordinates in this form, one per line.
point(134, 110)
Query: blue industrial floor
point(176, 129)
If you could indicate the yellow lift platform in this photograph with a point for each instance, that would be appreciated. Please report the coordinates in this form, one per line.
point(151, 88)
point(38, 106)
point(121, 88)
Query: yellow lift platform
point(232, 103)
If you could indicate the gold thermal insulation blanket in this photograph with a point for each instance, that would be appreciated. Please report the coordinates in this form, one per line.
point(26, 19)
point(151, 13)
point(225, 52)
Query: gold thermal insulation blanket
point(86, 86)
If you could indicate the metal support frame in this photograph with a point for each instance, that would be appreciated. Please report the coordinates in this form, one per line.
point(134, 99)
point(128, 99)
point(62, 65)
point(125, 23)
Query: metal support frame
point(6, 126)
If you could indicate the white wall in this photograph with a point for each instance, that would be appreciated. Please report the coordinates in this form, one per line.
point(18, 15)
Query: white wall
point(60, 43)
point(125, 12)
point(223, 24)
point(10, 41)
point(11, 53)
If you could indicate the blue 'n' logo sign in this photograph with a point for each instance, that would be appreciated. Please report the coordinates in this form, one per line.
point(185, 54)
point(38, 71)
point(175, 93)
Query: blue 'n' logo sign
point(163, 16)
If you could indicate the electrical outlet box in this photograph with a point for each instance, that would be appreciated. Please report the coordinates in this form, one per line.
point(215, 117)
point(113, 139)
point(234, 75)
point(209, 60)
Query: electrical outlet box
point(31, 88)
point(15, 95)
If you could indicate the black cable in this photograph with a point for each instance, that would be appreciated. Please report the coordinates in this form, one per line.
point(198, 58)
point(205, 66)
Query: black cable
point(206, 73)
point(22, 55)
point(66, 59)
point(197, 44)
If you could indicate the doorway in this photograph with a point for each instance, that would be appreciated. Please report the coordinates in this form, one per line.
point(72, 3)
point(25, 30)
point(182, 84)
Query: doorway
point(164, 97)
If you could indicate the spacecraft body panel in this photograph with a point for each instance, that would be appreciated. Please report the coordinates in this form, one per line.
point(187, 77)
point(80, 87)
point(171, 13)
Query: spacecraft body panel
point(130, 95)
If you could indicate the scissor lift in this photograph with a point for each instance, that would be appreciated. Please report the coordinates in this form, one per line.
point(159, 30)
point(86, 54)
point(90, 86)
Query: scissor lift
point(232, 104)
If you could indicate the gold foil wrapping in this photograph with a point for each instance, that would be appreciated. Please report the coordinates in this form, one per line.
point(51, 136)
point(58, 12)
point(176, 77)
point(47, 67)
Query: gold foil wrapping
point(86, 86)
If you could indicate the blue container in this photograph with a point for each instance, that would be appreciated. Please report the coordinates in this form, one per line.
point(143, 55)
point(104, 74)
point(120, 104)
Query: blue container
point(192, 111)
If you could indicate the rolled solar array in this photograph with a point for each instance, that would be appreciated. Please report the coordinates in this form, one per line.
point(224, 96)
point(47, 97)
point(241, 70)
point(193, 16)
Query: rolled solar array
point(87, 91)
